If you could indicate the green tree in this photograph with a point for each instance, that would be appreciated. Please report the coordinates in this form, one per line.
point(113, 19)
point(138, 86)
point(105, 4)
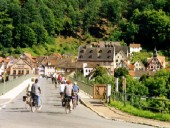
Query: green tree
point(105, 79)
point(91, 14)
point(40, 31)
point(153, 26)
point(99, 71)
point(48, 19)
point(119, 72)
point(141, 56)
point(25, 36)
point(6, 28)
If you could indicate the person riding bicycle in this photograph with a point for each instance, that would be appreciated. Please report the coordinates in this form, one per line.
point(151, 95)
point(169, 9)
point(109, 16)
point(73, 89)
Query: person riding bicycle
point(36, 91)
point(28, 89)
point(76, 91)
point(61, 90)
point(68, 91)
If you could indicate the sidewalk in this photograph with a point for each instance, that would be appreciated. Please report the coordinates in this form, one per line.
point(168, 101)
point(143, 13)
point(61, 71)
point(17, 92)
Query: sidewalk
point(111, 113)
point(9, 96)
point(96, 105)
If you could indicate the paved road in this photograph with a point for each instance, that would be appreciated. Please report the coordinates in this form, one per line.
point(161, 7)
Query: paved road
point(52, 115)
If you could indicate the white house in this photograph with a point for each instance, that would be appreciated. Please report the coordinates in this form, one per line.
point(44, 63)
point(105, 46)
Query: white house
point(87, 69)
point(135, 48)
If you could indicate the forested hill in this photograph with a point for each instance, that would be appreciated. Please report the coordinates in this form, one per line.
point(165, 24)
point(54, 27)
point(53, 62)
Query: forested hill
point(28, 23)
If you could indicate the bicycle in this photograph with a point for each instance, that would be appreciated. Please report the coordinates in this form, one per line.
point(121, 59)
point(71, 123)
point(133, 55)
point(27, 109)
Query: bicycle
point(28, 102)
point(34, 104)
point(67, 101)
point(75, 100)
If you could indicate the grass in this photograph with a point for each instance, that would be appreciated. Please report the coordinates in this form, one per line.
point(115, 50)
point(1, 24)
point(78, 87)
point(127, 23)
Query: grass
point(139, 112)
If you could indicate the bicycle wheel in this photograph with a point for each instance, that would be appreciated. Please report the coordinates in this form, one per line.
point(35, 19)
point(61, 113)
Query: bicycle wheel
point(74, 103)
point(28, 103)
point(67, 107)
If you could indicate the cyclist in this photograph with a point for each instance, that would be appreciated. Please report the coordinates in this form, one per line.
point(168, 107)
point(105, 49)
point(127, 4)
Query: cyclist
point(76, 91)
point(28, 89)
point(61, 89)
point(35, 92)
point(68, 92)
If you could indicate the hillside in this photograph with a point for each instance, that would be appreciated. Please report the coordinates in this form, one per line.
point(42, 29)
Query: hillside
point(33, 25)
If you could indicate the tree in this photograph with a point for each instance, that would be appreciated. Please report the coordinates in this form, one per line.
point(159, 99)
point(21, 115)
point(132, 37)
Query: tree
point(119, 72)
point(40, 31)
point(6, 28)
point(99, 71)
point(153, 27)
point(134, 86)
point(105, 79)
point(25, 36)
point(91, 14)
point(48, 19)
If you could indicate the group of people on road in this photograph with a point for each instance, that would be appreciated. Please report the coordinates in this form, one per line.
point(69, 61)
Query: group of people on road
point(69, 90)
point(66, 89)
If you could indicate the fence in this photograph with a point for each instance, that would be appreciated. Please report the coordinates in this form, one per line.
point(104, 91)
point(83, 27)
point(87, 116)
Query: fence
point(145, 103)
point(84, 86)
point(8, 85)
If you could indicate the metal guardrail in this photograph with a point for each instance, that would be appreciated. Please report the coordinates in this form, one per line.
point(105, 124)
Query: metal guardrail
point(8, 85)
point(83, 86)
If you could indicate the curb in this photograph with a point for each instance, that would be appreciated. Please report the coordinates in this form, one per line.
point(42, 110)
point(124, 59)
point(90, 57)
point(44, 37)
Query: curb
point(123, 120)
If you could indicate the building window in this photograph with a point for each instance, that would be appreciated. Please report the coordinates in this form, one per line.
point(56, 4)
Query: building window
point(82, 51)
point(27, 72)
point(14, 72)
point(90, 56)
point(108, 56)
point(109, 51)
point(100, 51)
point(19, 72)
point(22, 72)
point(81, 56)
point(91, 51)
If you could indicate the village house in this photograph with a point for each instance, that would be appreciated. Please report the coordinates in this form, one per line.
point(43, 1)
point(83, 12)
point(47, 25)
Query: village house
point(139, 66)
point(47, 64)
point(21, 67)
point(135, 48)
point(155, 63)
point(108, 54)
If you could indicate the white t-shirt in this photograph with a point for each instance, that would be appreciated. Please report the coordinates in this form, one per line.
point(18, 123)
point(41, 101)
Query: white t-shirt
point(62, 87)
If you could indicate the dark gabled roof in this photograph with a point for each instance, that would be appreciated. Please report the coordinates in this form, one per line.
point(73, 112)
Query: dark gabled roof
point(68, 63)
point(95, 54)
point(119, 48)
point(40, 59)
point(100, 52)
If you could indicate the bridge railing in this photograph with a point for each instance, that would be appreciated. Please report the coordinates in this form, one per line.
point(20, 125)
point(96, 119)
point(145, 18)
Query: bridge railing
point(83, 86)
point(8, 85)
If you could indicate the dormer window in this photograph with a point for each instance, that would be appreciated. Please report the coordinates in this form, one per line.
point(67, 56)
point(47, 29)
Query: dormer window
point(81, 56)
point(109, 51)
point(108, 56)
point(91, 51)
point(100, 51)
point(90, 56)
